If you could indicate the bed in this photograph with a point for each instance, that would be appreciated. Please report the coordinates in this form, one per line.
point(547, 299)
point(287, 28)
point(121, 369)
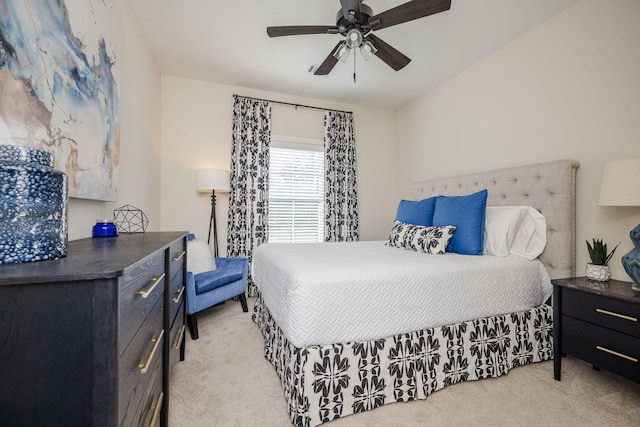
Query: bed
point(346, 358)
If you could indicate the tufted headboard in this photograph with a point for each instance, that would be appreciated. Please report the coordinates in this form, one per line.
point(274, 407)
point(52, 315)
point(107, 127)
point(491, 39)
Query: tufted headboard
point(549, 187)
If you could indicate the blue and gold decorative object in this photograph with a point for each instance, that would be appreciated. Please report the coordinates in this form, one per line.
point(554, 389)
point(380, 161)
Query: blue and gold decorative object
point(33, 206)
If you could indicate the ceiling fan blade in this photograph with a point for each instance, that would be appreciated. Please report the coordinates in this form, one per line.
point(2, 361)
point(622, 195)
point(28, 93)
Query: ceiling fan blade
point(348, 5)
point(329, 62)
point(409, 11)
point(390, 55)
point(295, 30)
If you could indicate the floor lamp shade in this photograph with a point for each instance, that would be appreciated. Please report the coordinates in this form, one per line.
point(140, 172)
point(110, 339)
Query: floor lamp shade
point(621, 187)
point(212, 180)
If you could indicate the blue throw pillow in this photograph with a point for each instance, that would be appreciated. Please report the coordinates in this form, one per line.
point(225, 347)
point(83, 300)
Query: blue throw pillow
point(467, 214)
point(416, 213)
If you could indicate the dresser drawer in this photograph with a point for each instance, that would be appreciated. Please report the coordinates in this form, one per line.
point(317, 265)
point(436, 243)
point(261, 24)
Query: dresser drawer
point(154, 407)
point(143, 409)
point(178, 331)
point(177, 281)
point(177, 257)
point(140, 289)
point(144, 351)
point(176, 299)
point(611, 350)
point(608, 312)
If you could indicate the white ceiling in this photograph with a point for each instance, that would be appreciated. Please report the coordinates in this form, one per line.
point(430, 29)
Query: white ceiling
point(225, 41)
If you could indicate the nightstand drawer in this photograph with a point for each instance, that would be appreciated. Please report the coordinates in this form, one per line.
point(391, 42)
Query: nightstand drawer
point(602, 347)
point(607, 312)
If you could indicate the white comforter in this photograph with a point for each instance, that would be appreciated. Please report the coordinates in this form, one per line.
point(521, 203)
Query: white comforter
point(324, 293)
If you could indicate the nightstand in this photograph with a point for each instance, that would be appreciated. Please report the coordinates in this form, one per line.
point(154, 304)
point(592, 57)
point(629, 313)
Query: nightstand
point(598, 322)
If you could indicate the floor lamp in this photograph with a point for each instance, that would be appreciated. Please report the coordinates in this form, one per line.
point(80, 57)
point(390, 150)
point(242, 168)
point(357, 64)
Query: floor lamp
point(212, 180)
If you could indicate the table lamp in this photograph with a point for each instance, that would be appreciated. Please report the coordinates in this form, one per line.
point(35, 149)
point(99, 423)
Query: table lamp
point(621, 187)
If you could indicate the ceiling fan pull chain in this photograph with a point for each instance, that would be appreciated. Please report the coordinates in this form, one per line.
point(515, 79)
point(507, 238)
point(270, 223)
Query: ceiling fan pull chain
point(354, 67)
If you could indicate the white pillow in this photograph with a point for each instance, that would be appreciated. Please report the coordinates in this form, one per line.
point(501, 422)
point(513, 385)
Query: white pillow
point(199, 257)
point(517, 230)
point(501, 223)
point(532, 235)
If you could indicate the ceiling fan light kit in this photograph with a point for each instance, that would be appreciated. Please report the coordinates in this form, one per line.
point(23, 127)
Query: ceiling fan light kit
point(367, 49)
point(342, 53)
point(356, 22)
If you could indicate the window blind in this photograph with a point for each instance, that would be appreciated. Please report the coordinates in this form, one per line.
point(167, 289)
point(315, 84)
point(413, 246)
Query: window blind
point(296, 195)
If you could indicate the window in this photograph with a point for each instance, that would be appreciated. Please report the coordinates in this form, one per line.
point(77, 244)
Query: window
point(296, 191)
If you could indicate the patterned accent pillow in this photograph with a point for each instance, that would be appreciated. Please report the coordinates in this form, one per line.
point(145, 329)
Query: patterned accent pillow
point(430, 240)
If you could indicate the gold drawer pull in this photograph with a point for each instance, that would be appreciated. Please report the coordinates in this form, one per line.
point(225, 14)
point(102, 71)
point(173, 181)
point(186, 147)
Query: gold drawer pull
point(155, 407)
point(621, 316)
point(176, 299)
point(178, 340)
point(179, 256)
point(154, 282)
point(615, 353)
point(145, 362)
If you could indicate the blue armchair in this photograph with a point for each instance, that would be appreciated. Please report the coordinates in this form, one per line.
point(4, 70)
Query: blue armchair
point(210, 288)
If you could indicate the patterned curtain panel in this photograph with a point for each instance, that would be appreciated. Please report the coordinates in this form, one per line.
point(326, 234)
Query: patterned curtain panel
point(341, 195)
point(249, 201)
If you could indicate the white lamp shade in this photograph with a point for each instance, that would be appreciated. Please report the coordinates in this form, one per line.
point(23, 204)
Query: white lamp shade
point(212, 179)
point(620, 183)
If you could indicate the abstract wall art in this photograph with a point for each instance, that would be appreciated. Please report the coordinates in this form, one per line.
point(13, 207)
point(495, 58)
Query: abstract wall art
point(59, 76)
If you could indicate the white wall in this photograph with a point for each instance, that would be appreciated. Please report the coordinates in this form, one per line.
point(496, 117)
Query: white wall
point(196, 133)
point(139, 182)
point(570, 88)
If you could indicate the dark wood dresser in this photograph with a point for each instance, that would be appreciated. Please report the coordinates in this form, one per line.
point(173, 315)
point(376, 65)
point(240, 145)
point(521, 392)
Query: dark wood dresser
point(90, 339)
point(598, 322)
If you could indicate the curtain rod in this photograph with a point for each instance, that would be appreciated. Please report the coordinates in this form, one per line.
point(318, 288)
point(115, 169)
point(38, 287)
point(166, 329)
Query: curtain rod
point(295, 105)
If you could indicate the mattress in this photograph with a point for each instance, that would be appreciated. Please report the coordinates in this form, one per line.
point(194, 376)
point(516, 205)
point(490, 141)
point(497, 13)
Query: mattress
point(325, 293)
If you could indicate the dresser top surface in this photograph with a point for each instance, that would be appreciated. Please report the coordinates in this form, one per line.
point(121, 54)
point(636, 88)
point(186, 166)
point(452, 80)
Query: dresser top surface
point(612, 289)
point(90, 259)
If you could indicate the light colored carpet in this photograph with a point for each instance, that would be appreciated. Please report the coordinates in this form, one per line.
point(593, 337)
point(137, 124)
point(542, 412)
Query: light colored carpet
point(226, 381)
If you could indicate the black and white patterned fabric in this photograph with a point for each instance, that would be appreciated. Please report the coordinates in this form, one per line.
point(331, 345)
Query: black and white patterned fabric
point(248, 219)
point(341, 193)
point(429, 240)
point(325, 382)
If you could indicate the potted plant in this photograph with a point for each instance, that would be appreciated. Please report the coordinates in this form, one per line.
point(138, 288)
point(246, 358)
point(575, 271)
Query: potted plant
point(598, 268)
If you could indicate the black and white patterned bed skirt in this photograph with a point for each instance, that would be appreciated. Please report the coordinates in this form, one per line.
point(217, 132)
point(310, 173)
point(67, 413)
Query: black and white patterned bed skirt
point(325, 382)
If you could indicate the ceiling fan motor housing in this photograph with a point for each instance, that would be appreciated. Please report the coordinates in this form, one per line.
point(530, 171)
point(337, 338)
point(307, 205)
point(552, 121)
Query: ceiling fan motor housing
point(357, 19)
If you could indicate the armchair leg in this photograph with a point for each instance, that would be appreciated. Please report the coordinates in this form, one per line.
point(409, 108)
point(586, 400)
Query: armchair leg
point(243, 301)
point(192, 322)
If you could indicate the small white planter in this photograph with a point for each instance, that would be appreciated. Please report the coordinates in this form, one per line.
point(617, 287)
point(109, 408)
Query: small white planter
point(601, 273)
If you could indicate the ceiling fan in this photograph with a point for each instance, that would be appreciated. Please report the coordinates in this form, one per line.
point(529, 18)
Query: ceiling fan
point(356, 22)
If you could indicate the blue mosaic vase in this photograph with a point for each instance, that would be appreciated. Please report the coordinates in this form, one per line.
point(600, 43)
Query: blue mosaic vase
point(631, 260)
point(33, 206)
